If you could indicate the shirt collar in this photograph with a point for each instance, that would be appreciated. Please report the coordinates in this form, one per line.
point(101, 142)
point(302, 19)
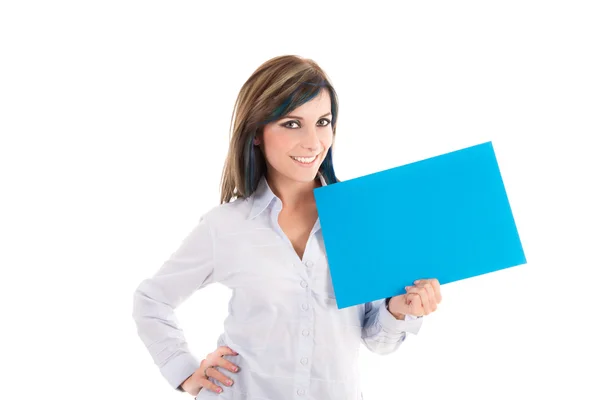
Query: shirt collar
point(263, 196)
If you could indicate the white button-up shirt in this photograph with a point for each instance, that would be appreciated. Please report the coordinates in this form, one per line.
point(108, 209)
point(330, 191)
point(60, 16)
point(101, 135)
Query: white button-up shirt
point(293, 341)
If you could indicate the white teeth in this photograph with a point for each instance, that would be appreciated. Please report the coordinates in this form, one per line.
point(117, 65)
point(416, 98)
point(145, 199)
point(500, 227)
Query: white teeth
point(305, 160)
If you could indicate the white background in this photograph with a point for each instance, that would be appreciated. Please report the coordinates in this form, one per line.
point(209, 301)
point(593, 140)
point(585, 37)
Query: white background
point(114, 118)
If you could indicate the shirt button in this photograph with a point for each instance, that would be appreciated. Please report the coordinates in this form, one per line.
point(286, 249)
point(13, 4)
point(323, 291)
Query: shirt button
point(309, 263)
point(305, 332)
point(304, 361)
point(300, 392)
point(305, 306)
point(303, 284)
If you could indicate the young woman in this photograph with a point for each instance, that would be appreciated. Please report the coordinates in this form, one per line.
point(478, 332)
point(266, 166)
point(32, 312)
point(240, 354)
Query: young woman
point(284, 337)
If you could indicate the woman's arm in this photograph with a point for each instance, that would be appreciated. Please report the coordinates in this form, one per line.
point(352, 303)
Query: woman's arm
point(382, 333)
point(188, 269)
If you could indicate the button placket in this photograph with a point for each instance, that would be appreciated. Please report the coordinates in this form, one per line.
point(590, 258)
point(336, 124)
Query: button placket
point(306, 348)
point(306, 328)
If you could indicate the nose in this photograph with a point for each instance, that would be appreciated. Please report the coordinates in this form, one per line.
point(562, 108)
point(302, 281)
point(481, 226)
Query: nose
point(311, 140)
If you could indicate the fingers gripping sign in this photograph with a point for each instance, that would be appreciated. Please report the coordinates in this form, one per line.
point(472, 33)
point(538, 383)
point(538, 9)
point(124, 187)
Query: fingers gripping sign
point(420, 299)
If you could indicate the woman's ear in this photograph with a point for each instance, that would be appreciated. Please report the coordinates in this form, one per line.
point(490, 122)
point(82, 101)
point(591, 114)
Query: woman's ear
point(256, 141)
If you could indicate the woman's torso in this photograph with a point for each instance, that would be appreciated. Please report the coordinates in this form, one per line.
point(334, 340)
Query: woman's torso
point(292, 340)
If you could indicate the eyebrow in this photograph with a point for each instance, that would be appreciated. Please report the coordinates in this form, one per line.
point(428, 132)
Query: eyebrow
point(293, 116)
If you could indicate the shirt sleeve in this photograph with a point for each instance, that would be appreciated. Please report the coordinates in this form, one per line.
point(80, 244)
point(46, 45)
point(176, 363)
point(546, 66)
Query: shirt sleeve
point(189, 268)
point(382, 333)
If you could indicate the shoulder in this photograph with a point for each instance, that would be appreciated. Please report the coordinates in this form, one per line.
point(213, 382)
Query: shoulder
point(229, 217)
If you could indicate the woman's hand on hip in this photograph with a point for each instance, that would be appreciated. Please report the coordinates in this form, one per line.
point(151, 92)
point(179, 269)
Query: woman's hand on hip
point(199, 379)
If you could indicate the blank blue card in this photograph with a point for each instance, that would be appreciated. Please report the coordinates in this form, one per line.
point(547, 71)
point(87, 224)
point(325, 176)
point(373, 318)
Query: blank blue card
point(446, 217)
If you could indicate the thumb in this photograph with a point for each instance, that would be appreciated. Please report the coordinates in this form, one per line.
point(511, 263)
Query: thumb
point(413, 303)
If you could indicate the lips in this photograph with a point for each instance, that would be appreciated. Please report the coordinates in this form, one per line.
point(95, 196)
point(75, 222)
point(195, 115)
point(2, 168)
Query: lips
point(305, 160)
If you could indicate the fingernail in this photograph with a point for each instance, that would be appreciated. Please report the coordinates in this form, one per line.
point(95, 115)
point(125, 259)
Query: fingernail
point(235, 369)
point(219, 390)
point(229, 383)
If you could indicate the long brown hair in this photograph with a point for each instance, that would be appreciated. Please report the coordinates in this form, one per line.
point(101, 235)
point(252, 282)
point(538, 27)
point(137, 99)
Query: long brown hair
point(277, 87)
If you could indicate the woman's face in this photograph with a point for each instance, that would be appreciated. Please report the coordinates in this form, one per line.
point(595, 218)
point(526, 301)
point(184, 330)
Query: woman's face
point(295, 145)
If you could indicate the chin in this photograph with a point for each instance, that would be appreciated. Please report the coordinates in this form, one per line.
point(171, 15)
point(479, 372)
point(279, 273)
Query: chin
point(298, 173)
point(306, 176)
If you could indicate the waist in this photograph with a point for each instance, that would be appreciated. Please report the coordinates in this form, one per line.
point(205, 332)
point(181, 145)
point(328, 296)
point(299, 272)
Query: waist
point(277, 376)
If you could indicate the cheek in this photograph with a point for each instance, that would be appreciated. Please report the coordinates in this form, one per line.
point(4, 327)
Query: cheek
point(275, 148)
point(327, 139)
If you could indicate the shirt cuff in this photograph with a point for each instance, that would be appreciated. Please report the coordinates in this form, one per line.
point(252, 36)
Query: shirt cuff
point(390, 324)
point(179, 369)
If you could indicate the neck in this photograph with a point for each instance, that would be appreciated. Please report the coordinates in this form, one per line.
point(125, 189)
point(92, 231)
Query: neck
point(293, 194)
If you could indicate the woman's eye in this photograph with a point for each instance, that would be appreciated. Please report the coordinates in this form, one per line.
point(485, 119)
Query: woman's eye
point(290, 122)
point(287, 124)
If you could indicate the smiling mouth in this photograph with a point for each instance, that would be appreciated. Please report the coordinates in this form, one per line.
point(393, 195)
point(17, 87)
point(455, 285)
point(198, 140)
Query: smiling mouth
point(305, 160)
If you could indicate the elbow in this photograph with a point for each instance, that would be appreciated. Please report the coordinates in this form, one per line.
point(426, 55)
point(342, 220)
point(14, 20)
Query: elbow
point(135, 306)
point(382, 350)
point(383, 346)
point(138, 301)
